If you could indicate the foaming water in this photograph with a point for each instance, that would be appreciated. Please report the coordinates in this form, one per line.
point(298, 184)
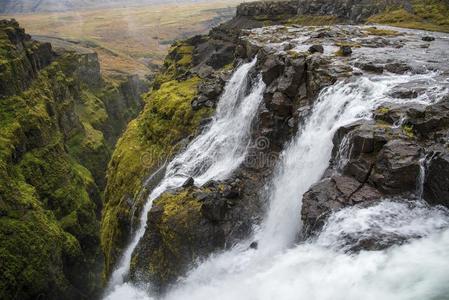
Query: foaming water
point(320, 269)
point(213, 155)
point(307, 157)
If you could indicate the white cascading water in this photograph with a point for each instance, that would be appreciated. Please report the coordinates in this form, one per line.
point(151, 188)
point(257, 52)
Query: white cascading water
point(215, 154)
point(320, 269)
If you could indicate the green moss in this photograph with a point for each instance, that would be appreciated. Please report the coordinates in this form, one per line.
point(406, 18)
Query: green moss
point(382, 110)
point(147, 143)
point(432, 15)
point(176, 230)
point(408, 131)
point(52, 153)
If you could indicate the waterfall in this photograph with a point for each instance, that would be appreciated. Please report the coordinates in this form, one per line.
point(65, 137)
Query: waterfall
point(215, 154)
point(321, 269)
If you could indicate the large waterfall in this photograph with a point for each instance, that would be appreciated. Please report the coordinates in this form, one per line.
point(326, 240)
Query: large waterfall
point(319, 269)
point(213, 155)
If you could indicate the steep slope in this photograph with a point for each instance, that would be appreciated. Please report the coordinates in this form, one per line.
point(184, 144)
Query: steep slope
point(59, 122)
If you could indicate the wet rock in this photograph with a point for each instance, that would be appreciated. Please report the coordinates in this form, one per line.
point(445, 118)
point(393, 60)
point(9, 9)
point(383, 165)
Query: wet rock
point(397, 68)
point(329, 195)
point(436, 185)
point(214, 209)
point(254, 245)
point(404, 94)
point(428, 38)
point(371, 67)
point(291, 79)
point(231, 193)
point(281, 105)
point(434, 118)
point(397, 167)
point(345, 50)
point(316, 49)
point(188, 183)
point(272, 69)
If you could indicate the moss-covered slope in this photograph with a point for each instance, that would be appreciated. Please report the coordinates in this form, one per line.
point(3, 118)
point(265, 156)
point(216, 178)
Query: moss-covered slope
point(148, 142)
point(56, 134)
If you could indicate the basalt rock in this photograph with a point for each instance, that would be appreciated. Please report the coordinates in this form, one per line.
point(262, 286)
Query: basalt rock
point(436, 185)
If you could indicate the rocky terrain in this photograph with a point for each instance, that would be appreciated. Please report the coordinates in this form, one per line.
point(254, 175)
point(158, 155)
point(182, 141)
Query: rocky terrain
point(73, 186)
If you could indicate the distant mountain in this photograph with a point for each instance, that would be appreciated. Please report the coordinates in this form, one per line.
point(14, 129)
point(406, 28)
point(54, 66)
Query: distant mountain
point(27, 6)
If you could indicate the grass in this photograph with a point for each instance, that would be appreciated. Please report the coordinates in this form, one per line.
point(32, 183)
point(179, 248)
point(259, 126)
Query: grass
point(129, 39)
point(432, 15)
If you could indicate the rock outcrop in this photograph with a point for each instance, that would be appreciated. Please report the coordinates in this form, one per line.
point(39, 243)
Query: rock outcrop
point(59, 121)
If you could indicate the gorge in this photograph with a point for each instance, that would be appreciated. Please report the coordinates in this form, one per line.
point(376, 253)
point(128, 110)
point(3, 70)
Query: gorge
point(293, 152)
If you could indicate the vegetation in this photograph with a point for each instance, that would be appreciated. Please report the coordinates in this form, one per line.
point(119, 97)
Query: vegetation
point(430, 15)
point(148, 141)
point(52, 153)
point(181, 214)
point(134, 40)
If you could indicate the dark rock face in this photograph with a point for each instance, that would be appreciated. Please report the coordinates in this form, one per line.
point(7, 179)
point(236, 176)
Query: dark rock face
point(332, 194)
point(354, 11)
point(436, 186)
point(316, 49)
point(267, 8)
point(397, 167)
point(24, 61)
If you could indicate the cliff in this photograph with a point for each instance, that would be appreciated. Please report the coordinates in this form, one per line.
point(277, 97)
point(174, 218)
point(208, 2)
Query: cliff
point(59, 122)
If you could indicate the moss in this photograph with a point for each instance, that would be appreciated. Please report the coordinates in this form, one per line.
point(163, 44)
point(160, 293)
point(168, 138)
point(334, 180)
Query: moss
point(381, 32)
point(176, 231)
point(432, 15)
point(408, 131)
point(148, 141)
point(382, 110)
point(53, 150)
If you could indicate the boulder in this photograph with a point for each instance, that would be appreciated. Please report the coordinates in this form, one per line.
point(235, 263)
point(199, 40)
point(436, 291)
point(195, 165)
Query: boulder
point(329, 195)
point(316, 49)
point(397, 167)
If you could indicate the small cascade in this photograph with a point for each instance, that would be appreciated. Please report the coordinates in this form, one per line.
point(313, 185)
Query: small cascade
point(213, 155)
point(421, 178)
